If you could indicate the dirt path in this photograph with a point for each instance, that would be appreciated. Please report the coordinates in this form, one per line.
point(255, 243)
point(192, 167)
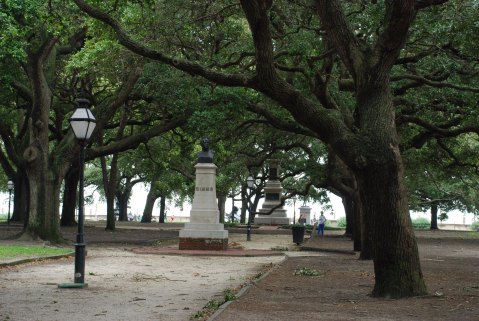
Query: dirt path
point(125, 286)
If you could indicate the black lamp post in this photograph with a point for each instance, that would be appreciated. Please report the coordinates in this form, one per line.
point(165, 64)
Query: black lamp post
point(10, 187)
point(250, 183)
point(83, 123)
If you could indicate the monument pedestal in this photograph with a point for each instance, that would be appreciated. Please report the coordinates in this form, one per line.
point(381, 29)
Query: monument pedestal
point(273, 191)
point(204, 232)
point(271, 220)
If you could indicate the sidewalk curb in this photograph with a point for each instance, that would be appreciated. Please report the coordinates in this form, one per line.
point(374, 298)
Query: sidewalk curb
point(36, 259)
point(246, 289)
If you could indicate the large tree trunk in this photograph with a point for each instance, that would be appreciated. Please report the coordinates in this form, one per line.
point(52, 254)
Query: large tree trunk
point(163, 217)
point(434, 213)
point(383, 197)
point(70, 197)
point(123, 198)
point(44, 213)
point(149, 204)
point(372, 152)
point(43, 177)
point(109, 185)
point(110, 212)
point(148, 210)
point(396, 259)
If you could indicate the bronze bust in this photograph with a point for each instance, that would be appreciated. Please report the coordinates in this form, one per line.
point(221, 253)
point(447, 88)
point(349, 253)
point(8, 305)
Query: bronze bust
point(206, 155)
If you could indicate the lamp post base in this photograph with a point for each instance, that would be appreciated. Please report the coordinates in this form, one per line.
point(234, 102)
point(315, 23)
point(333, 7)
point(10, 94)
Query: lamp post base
point(248, 232)
point(73, 285)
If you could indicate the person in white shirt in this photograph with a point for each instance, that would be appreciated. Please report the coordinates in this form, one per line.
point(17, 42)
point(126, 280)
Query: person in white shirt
point(321, 222)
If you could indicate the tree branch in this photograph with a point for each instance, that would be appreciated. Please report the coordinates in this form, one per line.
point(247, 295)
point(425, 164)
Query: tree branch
point(419, 80)
point(135, 140)
point(435, 131)
point(398, 18)
point(186, 66)
point(279, 123)
point(341, 35)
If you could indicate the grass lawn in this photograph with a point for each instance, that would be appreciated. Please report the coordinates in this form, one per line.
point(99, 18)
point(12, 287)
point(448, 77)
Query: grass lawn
point(22, 251)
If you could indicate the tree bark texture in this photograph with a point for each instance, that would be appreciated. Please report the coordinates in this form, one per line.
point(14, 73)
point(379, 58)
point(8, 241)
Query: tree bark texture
point(348, 205)
point(364, 231)
point(358, 233)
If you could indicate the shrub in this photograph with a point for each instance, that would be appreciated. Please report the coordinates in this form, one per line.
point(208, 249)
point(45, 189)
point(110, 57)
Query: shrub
point(342, 222)
point(475, 226)
point(421, 223)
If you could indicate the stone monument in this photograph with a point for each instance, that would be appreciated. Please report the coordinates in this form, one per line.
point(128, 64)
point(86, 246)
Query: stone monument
point(204, 232)
point(273, 192)
point(306, 212)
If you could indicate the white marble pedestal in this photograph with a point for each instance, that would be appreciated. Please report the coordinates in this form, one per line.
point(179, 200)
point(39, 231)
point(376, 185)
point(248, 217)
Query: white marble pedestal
point(204, 232)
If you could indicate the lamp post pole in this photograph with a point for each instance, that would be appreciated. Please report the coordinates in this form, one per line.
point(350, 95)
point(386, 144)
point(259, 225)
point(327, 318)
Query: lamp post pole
point(80, 240)
point(83, 123)
point(10, 186)
point(250, 183)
